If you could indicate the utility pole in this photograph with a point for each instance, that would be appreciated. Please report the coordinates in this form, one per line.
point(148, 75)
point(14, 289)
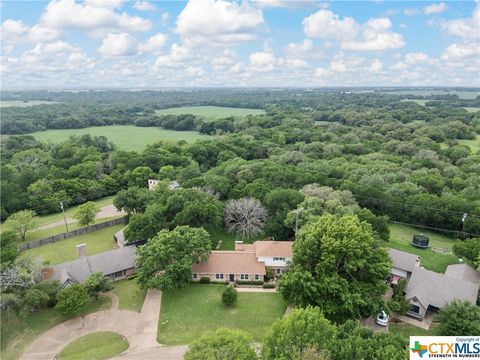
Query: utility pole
point(464, 218)
point(63, 212)
point(297, 213)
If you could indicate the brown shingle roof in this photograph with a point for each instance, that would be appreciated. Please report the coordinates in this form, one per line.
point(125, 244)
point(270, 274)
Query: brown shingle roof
point(274, 248)
point(230, 262)
point(403, 260)
point(463, 272)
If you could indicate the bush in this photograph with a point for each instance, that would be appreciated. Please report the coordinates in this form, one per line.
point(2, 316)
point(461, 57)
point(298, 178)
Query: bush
point(269, 286)
point(229, 296)
point(204, 280)
point(246, 282)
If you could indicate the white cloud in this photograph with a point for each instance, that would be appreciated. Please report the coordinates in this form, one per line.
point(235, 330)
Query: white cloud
point(298, 49)
point(376, 35)
point(411, 12)
point(263, 61)
point(289, 4)
point(91, 16)
point(142, 5)
point(14, 32)
point(466, 27)
point(154, 43)
point(325, 24)
point(376, 67)
point(117, 45)
point(164, 19)
point(462, 51)
point(435, 8)
point(204, 22)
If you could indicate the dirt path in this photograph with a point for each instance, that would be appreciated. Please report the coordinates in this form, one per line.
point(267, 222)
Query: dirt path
point(140, 329)
point(106, 211)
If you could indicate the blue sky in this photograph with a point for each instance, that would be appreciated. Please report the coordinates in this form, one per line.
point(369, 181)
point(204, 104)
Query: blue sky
point(135, 44)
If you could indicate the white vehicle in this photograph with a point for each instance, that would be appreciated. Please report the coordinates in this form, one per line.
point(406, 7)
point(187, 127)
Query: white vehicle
point(382, 318)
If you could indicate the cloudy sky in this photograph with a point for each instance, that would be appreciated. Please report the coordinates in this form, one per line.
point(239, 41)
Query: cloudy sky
point(143, 44)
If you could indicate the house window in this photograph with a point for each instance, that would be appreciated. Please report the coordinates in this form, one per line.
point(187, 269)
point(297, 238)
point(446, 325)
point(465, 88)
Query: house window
point(243, 276)
point(118, 274)
point(256, 277)
point(279, 271)
point(219, 276)
point(195, 276)
point(278, 258)
point(415, 309)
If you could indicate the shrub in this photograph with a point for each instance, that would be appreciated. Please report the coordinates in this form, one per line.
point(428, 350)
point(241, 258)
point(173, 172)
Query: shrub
point(246, 282)
point(229, 296)
point(204, 280)
point(269, 286)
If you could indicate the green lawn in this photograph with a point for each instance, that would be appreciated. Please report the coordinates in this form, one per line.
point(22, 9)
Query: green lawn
point(407, 330)
point(126, 137)
point(472, 109)
point(228, 239)
point(65, 250)
point(189, 312)
point(474, 144)
point(401, 237)
point(210, 112)
point(130, 295)
point(18, 333)
point(96, 346)
point(421, 102)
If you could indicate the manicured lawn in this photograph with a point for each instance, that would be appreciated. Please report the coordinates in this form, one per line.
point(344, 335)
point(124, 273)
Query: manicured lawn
point(474, 144)
point(96, 346)
point(65, 250)
point(126, 137)
point(407, 330)
point(401, 237)
point(130, 295)
point(18, 333)
point(210, 112)
point(228, 239)
point(188, 313)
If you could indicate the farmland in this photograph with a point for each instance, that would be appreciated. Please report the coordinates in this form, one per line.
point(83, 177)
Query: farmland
point(210, 112)
point(474, 144)
point(126, 137)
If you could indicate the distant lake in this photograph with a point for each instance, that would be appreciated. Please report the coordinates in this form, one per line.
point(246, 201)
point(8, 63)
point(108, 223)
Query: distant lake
point(461, 94)
point(26, 103)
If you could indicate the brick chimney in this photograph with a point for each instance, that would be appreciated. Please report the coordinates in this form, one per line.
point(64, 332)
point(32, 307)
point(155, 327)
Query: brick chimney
point(239, 245)
point(81, 250)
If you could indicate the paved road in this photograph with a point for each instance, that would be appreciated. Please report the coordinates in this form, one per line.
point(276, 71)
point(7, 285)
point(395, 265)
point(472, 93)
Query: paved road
point(140, 329)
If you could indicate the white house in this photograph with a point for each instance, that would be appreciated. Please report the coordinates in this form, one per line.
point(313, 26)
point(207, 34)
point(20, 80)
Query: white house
point(152, 184)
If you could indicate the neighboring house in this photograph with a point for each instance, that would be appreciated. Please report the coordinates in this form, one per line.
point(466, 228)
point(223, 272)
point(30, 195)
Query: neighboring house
point(403, 265)
point(276, 255)
point(152, 184)
point(230, 266)
point(117, 264)
point(430, 291)
point(248, 262)
point(119, 238)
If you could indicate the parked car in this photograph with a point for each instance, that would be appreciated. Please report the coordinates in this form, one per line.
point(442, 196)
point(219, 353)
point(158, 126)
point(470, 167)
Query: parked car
point(382, 318)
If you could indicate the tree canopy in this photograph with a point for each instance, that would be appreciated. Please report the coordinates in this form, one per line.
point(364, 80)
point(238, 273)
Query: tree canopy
point(459, 319)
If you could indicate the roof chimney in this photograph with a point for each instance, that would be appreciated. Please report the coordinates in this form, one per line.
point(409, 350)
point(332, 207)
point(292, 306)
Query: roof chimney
point(239, 245)
point(81, 250)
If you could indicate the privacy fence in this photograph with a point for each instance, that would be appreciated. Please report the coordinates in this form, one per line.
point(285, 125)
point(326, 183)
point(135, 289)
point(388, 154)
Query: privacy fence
point(70, 234)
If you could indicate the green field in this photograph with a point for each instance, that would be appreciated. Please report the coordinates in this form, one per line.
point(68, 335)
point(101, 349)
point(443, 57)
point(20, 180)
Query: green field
point(407, 330)
point(190, 312)
point(228, 239)
point(95, 346)
point(421, 102)
point(18, 333)
point(129, 294)
point(401, 237)
point(65, 250)
point(474, 144)
point(126, 137)
point(210, 112)
point(18, 103)
point(472, 109)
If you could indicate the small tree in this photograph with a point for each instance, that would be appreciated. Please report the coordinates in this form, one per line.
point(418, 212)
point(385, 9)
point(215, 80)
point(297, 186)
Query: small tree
point(459, 319)
point(399, 304)
point(21, 222)
point(246, 217)
point(223, 344)
point(86, 213)
point(97, 283)
point(72, 300)
point(33, 300)
point(229, 296)
point(8, 245)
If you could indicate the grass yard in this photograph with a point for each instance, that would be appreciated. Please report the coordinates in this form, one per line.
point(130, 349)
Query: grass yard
point(189, 312)
point(210, 112)
point(401, 237)
point(228, 239)
point(474, 144)
point(96, 346)
point(407, 330)
point(65, 250)
point(130, 295)
point(18, 333)
point(126, 137)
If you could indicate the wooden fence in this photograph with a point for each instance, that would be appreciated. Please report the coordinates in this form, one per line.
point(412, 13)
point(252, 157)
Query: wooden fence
point(70, 234)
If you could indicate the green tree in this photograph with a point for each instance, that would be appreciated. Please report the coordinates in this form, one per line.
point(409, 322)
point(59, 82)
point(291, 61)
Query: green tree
point(86, 213)
point(21, 222)
point(398, 304)
point(166, 260)
point(222, 344)
point(459, 319)
point(337, 267)
point(72, 300)
point(229, 296)
point(293, 336)
point(33, 300)
point(134, 200)
point(470, 250)
point(97, 283)
point(9, 250)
